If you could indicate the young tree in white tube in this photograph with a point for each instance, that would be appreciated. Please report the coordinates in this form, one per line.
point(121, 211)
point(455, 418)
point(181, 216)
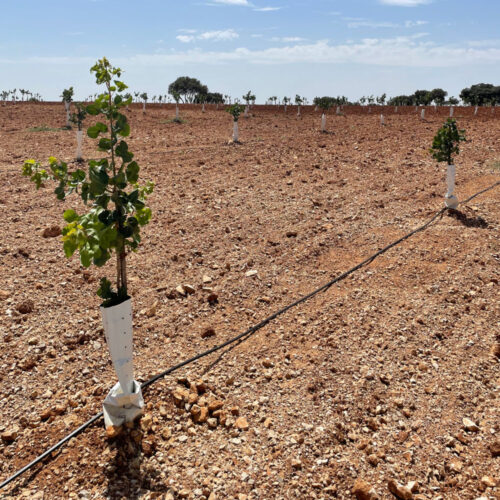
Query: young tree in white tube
point(67, 97)
point(446, 144)
point(77, 118)
point(117, 210)
point(298, 102)
point(235, 111)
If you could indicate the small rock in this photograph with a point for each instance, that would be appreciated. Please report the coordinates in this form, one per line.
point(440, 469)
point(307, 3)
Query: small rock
point(199, 414)
point(4, 294)
point(399, 491)
point(26, 307)
point(495, 448)
point(215, 405)
point(241, 423)
point(112, 431)
point(488, 481)
point(189, 289)
point(146, 422)
point(208, 332)
point(212, 423)
point(469, 425)
point(206, 279)
point(212, 298)
point(267, 363)
point(45, 414)
point(10, 435)
point(251, 273)
point(291, 234)
point(363, 490)
point(180, 290)
point(296, 464)
point(51, 232)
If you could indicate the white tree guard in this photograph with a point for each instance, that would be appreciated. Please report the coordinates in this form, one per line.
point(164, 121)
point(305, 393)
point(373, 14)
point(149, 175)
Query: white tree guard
point(66, 106)
point(177, 112)
point(246, 111)
point(235, 132)
point(124, 402)
point(422, 114)
point(451, 112)
point(298, 110)
point(338, 110)
point(396, 109)
point(203, 108)
point(475, 111)
point(323, 122)
point(450, 200)
point(382, 120)
point(79, 141)
point(144, 107)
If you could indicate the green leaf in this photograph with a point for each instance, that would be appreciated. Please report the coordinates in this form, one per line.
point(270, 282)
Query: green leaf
point(96, 129)
point(85, 257)
point(69, 247)
point(104, 144)
point(70, 215)
point(132, 172)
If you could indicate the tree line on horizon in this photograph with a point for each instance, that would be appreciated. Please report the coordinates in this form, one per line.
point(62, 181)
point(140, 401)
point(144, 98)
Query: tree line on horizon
point(190, 90)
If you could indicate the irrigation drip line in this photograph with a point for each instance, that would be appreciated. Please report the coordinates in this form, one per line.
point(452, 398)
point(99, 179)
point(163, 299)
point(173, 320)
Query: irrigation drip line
point(246, 334)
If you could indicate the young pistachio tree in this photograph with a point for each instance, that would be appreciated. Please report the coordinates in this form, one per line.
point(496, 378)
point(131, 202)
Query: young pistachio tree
point(298, 101)
point(248, 98)
point(235, 111)
point(445, 145)
point(116, 210)
point(323, 103)
point(77, 118)
point(286, 100)
point(67, 97)
point(177, 97)
point(144, 97)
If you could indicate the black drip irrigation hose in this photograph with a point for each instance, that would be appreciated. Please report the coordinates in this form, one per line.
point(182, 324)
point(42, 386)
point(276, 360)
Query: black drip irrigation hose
point(246, 334)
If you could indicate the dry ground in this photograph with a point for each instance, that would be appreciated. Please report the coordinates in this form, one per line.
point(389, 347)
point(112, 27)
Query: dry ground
point(370, 380)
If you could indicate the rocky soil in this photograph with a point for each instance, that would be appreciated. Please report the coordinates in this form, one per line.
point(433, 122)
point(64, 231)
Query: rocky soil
point(384, 386)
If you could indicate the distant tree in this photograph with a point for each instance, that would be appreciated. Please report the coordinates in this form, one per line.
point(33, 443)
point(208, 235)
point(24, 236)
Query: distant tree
point(381, 99)
point(324, 103)
point(422, 97)
point(235, 111)
point(438, 96)
point(67, 97)
point(144, 97)
point(215, 98)
point(187, 88)
point(481, 94)
point(453, 101)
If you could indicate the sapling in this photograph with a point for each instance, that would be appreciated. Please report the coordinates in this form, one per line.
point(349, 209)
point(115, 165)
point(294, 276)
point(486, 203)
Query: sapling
point(77, 118)
point(286, 100)
point(298, 102)
point(67, 97)
point(444, 146)
point(116, 210)
point(235, 111)
point(144, 97)
point(323, 103)
point(248, 98)
point(177, 98)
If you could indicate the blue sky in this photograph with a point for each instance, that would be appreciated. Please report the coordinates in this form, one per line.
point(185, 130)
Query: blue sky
point(272, 47)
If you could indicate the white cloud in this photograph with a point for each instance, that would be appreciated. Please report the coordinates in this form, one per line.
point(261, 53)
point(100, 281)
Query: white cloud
point(287, 39)
point(371, 24)
point(214, 36)
point(232, 2)
point(266, 9)
point(408, 51)
point(183, 30)
point(185, 38)
point(405, 3)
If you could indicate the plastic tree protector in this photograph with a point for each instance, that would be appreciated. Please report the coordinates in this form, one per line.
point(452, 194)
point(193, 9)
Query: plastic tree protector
point(450, 199)
point(124, 401)
point(451, 111)
point(422, 114)
point(79, 140)
point(323, 122)
point(382, 121)
point(66, 105)
point(235, 131)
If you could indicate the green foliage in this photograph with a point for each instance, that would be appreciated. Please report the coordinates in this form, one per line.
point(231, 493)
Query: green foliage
point(446, 142)
point(44, 128)
point(108, 187)
point(235, 111)
point(144, 96)
point(187, 88)
point(298, 100)
point(249, 97)
point(79, 116)
point(67, 95)
point(324, 103)
point(481, 94)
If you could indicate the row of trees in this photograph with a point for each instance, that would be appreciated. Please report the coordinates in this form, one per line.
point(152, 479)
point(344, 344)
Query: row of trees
point(481, 94)
point(25, 95)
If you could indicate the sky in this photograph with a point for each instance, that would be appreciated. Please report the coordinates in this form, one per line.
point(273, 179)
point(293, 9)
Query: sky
point(271, 47)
